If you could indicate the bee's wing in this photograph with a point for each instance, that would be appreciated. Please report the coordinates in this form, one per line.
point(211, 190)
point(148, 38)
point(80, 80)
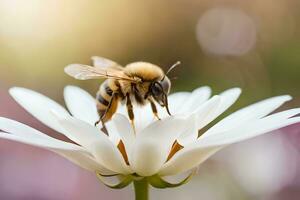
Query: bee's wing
point(84, 72)
point(105, 63)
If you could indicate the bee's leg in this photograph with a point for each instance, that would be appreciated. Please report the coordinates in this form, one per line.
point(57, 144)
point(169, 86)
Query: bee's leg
point(101, 119)
point(97, 122)
point(154, 109)
point(104, 129)
point(130, 111)
point(104, 114)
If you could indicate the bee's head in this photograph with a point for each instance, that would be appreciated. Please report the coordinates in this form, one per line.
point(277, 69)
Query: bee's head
point(160, 90)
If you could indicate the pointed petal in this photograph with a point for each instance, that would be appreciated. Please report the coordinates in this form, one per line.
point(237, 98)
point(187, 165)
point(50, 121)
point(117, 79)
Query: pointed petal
point(126, 133)
point(196, 99)
point(81, 104)
point(79, 131)
point(176, 100)
point(32, 136)
point(105, 152)
point(195, 154)
point(207, 112)
point(70, 151)
point(254, 111)
point(190, 134)
point(252, 129)
point(109, 156)
point(113, 133)
point(39, 106)
point(186, 159)
point(202, 115)
point(22, 133)
point(228, 98)
point(84, 160)
point(144, 116)
point(19, 129)
point(154, 143)
point(39, 142)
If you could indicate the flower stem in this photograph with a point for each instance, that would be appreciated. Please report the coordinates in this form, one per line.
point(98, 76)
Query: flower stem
point(141, 188)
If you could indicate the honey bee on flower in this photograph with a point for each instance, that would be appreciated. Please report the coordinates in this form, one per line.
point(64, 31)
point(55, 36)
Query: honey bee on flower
point(155, 148)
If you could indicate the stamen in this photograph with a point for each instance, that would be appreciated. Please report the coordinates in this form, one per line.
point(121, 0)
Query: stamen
point(122, 149)
point(175, 148)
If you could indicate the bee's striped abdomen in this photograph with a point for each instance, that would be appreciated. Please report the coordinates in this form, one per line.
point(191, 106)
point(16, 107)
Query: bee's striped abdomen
point(107, 100)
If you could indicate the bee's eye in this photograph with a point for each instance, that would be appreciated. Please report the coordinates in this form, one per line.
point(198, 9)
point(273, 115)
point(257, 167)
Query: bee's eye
point(156, 89)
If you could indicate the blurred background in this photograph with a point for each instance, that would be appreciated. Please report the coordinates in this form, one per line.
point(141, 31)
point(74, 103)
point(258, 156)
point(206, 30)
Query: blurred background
point(254, 45)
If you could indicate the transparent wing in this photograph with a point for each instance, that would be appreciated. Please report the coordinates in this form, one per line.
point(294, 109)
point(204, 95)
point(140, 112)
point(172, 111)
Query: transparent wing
point(85, 72)
point(105, 63)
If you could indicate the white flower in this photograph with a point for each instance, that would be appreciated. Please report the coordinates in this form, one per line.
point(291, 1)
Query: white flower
point(160, 147)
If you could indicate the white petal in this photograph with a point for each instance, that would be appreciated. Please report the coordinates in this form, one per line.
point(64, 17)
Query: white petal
point(189, 135)
point(202, 115)
point(124, 128)
point(17, 128)
point(22, 133)
point(81, 104)
point(39, 106)
point(228, 97)
point(186, 159)
point(252, 129)
point(109, 156)
point(207, 111)
point(176, 100)
point(33, 136)
point(85, 161)
point(126, 133)
point(39, 142)
point(196, 153)
point(79, 131)
point(113, 133)
point(154, 143)
point(72, 152)
point(122, 109)
point(254, 111)
point(198, 97)
point(144, 116)
point(105, 152)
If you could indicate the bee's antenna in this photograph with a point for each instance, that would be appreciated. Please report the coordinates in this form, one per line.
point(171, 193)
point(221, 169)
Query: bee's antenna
point(173, 66)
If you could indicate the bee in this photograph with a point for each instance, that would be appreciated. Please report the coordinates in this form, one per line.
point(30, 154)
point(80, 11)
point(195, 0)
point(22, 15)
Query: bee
point(139, 82)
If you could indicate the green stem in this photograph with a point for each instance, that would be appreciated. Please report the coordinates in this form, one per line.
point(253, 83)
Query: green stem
point(141, 188)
